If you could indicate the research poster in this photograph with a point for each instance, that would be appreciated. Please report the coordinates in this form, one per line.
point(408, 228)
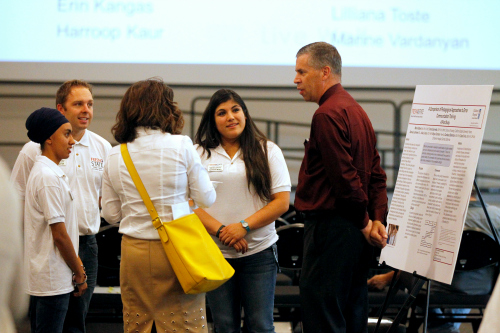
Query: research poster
point(436, 174)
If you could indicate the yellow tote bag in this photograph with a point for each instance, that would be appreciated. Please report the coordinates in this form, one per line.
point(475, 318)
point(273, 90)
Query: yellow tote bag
point(195, 258)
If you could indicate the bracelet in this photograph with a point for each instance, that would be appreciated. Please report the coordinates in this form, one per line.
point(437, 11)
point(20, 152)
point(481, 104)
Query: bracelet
point(76, 284)
point(218, 231)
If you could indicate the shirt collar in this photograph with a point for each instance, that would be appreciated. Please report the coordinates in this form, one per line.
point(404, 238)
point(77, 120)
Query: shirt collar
point(144, 131)
point(221, 151)
point(85, 140)
point(332, 90)
point(54, 167)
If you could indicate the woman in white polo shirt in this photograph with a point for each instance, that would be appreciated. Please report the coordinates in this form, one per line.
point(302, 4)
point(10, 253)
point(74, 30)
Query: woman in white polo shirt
point(253, 190)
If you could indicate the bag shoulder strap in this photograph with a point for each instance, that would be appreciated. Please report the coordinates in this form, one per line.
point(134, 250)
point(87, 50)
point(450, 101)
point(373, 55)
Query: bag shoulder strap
point(142, 191)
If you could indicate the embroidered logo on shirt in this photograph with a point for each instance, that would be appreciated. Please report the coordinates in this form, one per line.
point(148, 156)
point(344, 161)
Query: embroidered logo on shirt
point(97, 164)
point(215, 167)
point(63, 162)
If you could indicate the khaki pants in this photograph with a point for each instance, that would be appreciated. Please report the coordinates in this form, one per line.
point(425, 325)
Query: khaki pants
point(151, 292)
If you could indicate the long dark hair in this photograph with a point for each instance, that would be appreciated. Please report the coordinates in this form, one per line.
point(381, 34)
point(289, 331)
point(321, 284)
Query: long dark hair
point(149, 103)
point(253, 143)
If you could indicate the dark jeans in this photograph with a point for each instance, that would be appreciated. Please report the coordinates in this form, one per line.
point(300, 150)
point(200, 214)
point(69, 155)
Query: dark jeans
point(79, 306)
point(47, 313)
point(333, 287)
point(252, 287)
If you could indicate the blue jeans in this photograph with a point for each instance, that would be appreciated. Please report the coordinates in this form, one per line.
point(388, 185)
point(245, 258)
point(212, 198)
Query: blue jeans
point(446, 327)
point(47, 313)
point(79, 306)
point(251, 287)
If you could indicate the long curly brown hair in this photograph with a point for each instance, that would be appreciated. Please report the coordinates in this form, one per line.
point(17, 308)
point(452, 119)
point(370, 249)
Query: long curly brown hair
point(149, 103)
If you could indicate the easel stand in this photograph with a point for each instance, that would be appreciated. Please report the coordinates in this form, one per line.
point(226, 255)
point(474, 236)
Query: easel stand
point(393, 288)
point(493, 231)
point(421, 280)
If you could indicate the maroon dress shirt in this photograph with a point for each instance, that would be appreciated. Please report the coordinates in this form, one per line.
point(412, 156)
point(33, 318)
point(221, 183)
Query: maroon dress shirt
point(341, 170)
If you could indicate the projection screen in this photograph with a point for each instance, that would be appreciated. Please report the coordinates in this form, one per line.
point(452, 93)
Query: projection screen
point(390, 43)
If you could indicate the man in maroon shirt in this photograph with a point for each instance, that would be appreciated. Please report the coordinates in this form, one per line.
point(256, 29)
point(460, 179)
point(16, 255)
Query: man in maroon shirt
point(341, 197)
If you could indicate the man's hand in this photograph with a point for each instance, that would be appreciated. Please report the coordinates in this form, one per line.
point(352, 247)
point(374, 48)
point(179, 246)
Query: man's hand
point(378, 235)
point(375, 234)
point(366, 232)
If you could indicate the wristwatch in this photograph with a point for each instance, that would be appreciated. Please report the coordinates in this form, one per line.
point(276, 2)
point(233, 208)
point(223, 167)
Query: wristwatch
point(245, 225)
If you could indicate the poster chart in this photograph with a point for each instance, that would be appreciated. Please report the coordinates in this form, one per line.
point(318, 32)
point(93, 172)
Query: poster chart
point(432, 191)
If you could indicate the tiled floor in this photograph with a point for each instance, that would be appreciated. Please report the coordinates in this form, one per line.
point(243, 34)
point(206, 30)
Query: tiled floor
point(283, 327)
point(118, 327)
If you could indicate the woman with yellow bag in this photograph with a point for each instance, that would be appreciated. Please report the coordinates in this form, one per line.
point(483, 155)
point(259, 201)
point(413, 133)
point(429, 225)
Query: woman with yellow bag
point(253, 191)
point(149, 122)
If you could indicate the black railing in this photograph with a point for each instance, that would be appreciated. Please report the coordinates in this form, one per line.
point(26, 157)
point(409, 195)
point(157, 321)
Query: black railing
point(397, 134)
point(390, 156)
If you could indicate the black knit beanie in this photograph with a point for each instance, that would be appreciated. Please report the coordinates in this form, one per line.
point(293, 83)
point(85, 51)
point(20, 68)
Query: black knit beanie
point(42, 123)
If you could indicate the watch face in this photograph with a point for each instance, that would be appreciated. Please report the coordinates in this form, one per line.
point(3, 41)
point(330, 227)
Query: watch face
point(245, 225)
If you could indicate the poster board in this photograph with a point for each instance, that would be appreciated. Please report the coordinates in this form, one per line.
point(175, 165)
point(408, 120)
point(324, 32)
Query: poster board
point(432, 192)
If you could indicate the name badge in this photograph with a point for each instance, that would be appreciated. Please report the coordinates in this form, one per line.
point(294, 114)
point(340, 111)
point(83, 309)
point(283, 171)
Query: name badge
point(97, 163)
point(63, 162)
point(215, 167)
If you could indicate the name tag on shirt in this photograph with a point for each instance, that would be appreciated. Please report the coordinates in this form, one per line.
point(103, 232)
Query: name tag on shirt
point(63, 162)
point(215, 167)
point(97, 164)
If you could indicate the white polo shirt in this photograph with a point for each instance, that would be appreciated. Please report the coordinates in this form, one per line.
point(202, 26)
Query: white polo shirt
point(48, 200)
point(235, 202)
point(172, 173)
point(84, 168)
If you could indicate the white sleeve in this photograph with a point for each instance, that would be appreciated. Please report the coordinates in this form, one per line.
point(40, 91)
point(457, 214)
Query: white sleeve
point(110, 202)
point(107, 148)
point(280, 177)
point(201, 189)
point(22, 168)
point(51, 201)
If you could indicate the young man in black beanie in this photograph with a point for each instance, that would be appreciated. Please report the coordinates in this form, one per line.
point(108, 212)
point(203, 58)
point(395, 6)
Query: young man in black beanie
point(50, 225)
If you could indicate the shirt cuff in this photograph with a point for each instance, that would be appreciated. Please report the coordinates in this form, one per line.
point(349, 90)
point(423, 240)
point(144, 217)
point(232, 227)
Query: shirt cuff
point(365, 221)
point(284, 188)
point(380, 215)
point(57, 219)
